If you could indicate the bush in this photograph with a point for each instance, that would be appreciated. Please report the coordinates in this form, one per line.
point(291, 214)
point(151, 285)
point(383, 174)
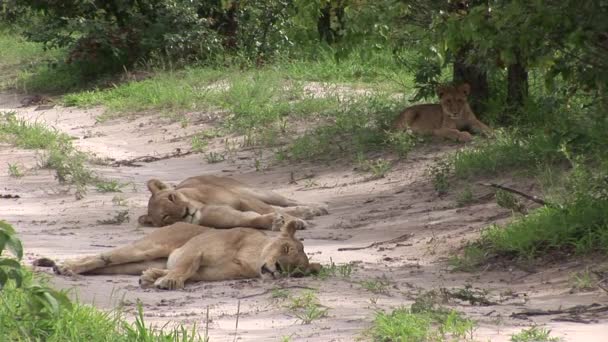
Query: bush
point(33, 311)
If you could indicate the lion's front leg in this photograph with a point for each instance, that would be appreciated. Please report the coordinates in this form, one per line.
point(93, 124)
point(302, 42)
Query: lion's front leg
point(186, 266)
point(305, 212)
point(221, 216)
point(454, 134)
point(480, 127)
point(116, 256)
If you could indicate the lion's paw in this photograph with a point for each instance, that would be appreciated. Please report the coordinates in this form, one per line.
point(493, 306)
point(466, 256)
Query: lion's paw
point(169, 283)
point(64, 269)
point(300, 224)
point(149, 276)
point(278, 222)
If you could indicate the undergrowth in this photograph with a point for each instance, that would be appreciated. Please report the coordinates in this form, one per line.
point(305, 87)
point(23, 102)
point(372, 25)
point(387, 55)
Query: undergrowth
point(57, 151)
point(423, 321)
point(32, 311)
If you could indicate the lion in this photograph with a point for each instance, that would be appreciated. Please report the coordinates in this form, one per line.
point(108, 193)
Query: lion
point(170, 256)
point(451, 118)
point(220, 202)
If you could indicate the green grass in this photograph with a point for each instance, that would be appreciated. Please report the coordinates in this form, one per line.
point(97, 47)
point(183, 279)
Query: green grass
point(506, 151)
point(28, 67)
point(379, 285)
point(579, 225)
point(30, 310)
point(534, 334)
point(14, 170)
point(109, 186)
point(307, 308)
point(404, 324)
point(58, 153)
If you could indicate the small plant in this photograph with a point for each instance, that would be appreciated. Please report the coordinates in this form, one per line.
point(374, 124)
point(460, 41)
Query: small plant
point(380, 285)
point(278, 293)
point(109, 186)
point(310, 183)
point(583, 281)
point(14, 171)
point(120, 218)
point(119, 201)
point(378, 168)
point(439, 173)
point(214, 157)
point(433, 325)
point(402, 142)
point(307, 308)
point(534, 334)
point(465, 197)
point(331, 270)
point(199, 143)
point(472, 257)
point(509, 201)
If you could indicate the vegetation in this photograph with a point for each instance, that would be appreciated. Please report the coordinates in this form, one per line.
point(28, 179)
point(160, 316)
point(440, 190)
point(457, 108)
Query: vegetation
point(58, 153)
point(534, 334)
point(307, 308)
point(422, 323)
point(33, 311)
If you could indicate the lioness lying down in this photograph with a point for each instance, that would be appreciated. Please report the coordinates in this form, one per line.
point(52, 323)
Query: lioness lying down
point(173, 255)
point(449, 119)
point(220, 202)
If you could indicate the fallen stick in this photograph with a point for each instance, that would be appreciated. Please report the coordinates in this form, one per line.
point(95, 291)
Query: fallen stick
point(579, 309)
point(149, 159)
point(379, 243)
point(275, 288)
point(517, 192)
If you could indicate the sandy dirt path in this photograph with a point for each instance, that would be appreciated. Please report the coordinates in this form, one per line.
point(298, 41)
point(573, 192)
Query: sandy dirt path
point(403, 207)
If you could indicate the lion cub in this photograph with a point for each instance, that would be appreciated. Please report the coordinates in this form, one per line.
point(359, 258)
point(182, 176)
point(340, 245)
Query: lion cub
point(451, 118)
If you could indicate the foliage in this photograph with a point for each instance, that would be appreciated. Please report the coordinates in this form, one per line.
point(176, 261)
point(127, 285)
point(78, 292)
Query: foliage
point(421, 324)
point(579, 225)
point(58, 152)
point(534, 334)
point(33, 311)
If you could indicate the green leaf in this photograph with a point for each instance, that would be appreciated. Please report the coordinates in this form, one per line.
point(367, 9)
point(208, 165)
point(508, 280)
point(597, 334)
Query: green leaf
point(5, 226)
point(14, 245)
point(3, 278)
point(17, 276)
point(12, 263)
point(51, 301)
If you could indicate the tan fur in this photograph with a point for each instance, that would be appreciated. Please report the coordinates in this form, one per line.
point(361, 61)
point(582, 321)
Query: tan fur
point(447, 119)
point(170, 256)
point(220, 202)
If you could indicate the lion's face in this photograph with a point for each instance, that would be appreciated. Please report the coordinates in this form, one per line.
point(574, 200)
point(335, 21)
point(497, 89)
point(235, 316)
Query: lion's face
point(285, 255)
point(168, 206)
point(454, 100)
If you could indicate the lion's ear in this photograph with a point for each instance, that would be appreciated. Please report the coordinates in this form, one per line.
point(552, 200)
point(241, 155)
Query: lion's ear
point(144, 220)
point(289, 230)
point(440, 90)
point(465, 88)
point(154, 185)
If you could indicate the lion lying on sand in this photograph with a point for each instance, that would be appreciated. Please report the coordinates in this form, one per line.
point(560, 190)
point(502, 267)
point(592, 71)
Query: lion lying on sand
point(169, 257)
point(220, 202)
point(451, 118)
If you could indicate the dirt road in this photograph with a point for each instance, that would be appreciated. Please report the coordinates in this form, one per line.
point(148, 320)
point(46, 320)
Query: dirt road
point(403, 207)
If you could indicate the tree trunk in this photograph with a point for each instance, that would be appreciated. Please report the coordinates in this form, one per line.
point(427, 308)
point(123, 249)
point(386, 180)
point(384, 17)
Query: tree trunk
point(517, 84)
point(475, 77)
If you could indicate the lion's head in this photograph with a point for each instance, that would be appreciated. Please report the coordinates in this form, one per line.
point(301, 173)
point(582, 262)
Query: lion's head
point(167, 206)
point(285, 255)
point(454, 100)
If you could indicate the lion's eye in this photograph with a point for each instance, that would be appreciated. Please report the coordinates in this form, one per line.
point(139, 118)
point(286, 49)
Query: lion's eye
point(165, 218)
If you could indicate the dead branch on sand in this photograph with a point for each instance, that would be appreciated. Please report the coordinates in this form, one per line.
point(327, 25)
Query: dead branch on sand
point(376, 244)
point(532, 198)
